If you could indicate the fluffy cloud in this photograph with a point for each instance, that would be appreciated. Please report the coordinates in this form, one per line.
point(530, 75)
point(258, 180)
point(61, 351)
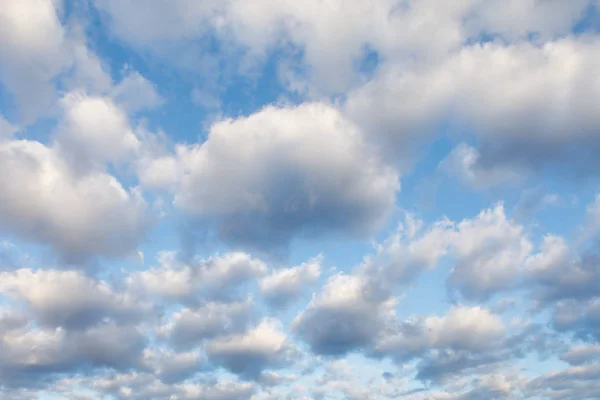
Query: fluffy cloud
point(191, 327)
point(510, 87)
point(216, 277)
point(286, 285)
point(39, 354)
point(33, 52)
point(489, 249)
point(496, 93)
point(346, 315)
point(249, 353)
point(463, 328)
point(69, 298)
point(301, 171)
point(94, 131)
point(44, 200)
point(331, 36)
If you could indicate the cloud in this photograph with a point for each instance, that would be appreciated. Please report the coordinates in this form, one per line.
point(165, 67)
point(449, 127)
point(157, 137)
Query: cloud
point(287, 284)
point(80, 216)
point(94, 131)
point(463, 328)
point(7, 130)
point(171, 367)
point(69, 298)
point(345, 316)
point(332, 37)
point(510, 87)
point(135, 93)
point(526, 110)
point(249, 353)
point(276, 185)
point(40, 355)
point(33, 52)
point(462, 163)
point(488, 250)
point(218, 276)
point(534, 200)
point(582, 354)
point(191, 327)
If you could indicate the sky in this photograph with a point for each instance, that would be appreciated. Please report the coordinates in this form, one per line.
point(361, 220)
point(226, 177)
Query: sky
point(299, 200)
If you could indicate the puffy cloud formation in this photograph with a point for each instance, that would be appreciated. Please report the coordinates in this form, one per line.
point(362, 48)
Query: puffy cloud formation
point(188, 190)
point(285, 285)
point(45, 200)
point(277, 185)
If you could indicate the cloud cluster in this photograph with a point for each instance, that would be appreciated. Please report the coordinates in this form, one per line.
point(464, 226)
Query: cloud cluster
point(178, 180)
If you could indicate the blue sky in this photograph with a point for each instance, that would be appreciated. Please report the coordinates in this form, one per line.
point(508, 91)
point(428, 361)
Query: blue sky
point(231, 200)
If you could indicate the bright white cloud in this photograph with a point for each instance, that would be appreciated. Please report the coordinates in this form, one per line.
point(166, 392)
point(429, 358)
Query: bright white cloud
point(289, 171)
point(81, 215)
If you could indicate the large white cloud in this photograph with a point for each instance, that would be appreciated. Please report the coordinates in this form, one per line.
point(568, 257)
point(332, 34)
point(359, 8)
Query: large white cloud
point(332, 36)
point(529, 106)
point(285, 172)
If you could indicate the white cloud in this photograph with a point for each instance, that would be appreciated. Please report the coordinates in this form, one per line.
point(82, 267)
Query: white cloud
point(94, 131)
point(135, 93)
point(345, 316)
point(249, 353)
point(287, 284)
point(285, 172)
point(333, 36)
point(216, 276)
point(463, 328)
point(32, 53)
point(44, 200)
point(489, 251)
point(190, 327)
point(69, 298)
point(526, 105)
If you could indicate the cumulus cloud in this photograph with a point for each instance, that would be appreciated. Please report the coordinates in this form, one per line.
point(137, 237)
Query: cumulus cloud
point(463, 328)
point(285, 285)
point(331, 36)
point(38, 355)
point(249, 353)
point(191, 327)
point(94, 131)
point(489, 249)
point(346, 315)
point(80, 216)
point(33, 52)
point(526, 109)
point(295, 171)
point(216, 277)
point(509, 86)
point(69, 298)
